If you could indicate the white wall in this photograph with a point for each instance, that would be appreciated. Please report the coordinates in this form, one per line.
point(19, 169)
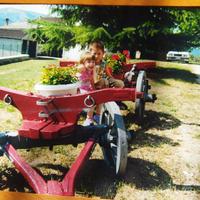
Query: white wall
point(73, 53)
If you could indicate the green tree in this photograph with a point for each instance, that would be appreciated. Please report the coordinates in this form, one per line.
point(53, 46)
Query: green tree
point(153, 30)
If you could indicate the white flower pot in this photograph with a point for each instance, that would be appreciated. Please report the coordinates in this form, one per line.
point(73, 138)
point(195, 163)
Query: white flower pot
point(57, 90)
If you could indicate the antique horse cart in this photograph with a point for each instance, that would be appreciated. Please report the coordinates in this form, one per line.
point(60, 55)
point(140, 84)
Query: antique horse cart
point(52, 120)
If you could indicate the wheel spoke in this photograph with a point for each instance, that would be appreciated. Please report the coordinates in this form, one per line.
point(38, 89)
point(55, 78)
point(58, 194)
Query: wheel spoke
point(113, 145)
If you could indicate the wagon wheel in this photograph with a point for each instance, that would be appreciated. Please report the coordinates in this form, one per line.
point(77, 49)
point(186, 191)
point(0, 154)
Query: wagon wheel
point(115, 147)
point(141, 86)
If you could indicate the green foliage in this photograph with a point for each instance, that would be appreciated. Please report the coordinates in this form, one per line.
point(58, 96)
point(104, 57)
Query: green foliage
point(123, 39)
point(84, 34)
point(152, 30)
point(81, 35)
point(54, 75)
point(195, 59)
point(51, 35)
point(59, 35)
point(101, 34)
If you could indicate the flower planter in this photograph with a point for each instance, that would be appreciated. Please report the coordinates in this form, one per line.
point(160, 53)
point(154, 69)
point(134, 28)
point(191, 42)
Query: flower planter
point(57, 90)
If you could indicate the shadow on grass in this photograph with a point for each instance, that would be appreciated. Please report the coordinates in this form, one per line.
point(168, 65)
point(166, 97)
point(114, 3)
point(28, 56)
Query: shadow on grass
point(142, 139)
point(153, 119)
point(12, 180)
point(61, 171)
point(147, 175)
point(97, 179)
point(94, 179)
point(159, 120)
point(191, 124)
point(172, 73)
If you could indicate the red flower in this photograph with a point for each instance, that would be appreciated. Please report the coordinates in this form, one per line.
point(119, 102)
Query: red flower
point(115, 57)
point(126, 53)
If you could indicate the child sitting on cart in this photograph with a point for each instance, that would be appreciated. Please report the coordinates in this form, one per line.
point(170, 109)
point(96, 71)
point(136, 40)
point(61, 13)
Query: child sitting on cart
point(101, 79)
point(86, 77)
point(86, 72)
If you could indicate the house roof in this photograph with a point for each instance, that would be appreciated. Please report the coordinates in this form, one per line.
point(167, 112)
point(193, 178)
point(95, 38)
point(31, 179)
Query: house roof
point(16, 30)
point(51, 19)
point(12, 33)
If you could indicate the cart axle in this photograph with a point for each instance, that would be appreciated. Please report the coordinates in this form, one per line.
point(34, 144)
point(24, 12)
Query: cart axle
point(81, 134)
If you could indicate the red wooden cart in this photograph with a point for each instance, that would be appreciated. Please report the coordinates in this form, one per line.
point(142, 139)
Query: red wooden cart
point(52, 120)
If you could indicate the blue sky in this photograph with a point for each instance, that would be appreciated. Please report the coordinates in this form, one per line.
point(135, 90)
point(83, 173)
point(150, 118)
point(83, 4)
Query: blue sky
point(40, 8)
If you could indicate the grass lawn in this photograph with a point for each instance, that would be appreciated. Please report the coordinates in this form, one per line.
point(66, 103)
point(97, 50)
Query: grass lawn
point(19, 76)
point(164, 155)
point(22, 75)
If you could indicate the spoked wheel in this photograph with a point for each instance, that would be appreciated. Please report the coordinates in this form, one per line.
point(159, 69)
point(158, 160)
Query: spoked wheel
point(115, 147)
point(141, 86)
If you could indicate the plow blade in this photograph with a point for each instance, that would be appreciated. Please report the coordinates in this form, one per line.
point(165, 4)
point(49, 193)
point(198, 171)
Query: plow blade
point(31, 196)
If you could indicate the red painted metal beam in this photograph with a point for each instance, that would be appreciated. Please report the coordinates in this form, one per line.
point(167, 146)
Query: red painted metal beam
point(34, 179)
point(69, 180)
point(38, 184)
point(140, 65)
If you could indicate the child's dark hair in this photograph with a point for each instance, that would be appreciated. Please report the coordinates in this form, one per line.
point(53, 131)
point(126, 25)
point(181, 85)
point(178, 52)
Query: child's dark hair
point(86, 56)
point(97, 44)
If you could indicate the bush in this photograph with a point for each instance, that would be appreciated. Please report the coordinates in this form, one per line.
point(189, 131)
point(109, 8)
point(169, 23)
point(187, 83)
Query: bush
point(195, 59)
